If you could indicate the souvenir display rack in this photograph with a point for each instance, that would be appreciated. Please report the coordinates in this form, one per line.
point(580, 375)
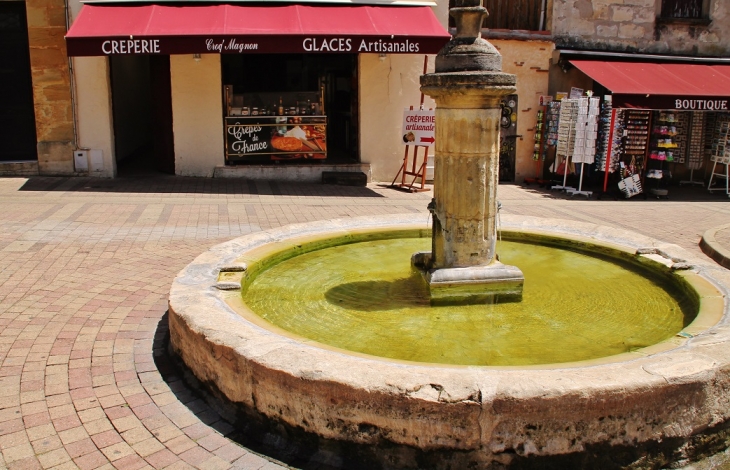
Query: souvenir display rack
point(637, 123)
point(604, 134)
point(552, 120)
point(586, 132)
point(710, 122)
point(540, 149)
point(566, 139)
point(539, 135)
point(696, 147)
point(664, 149)
point(616, 139)
point(720, 154)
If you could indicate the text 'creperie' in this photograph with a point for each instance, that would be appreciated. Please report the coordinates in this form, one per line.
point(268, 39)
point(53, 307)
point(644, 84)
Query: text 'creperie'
point(131, 46)
point(421, 118)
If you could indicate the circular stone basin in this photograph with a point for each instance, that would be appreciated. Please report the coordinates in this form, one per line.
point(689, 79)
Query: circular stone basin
point(665, 401)
point(364, 297)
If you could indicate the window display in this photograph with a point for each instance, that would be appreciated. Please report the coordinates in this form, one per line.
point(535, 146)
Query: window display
point(271, 126)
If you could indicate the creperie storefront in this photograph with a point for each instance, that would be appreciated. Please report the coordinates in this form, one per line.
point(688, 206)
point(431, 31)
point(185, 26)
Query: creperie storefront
point(293, 77)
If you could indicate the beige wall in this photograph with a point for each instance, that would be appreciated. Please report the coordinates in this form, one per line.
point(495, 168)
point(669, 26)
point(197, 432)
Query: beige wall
point(197, 114)
point(631, 26)
point(530, 61)
point(94, 110)
point(388, 85)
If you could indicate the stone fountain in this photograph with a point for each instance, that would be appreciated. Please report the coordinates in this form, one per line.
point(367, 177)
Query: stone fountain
point(467, 86)
point(666, 402)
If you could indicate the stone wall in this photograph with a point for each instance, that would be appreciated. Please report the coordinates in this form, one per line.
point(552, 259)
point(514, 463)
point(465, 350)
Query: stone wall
point(51, 86)
point(632, 26)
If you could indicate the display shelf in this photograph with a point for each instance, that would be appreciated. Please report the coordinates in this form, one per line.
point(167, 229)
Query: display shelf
point(586, 132)
point(636, 143)
point(695, 147)
point(537, 152)
point(566, 140)
point(552, 121)
point(720, 155)
point(604, 135)
point(663, 147)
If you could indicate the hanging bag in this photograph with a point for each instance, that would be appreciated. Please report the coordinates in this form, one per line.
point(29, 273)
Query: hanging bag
point(630, 185)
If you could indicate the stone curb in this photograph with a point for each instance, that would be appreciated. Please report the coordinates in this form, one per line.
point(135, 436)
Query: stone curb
point(712, 248)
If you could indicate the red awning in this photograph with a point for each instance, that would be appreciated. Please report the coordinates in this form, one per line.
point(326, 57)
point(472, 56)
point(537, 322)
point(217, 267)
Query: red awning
point(180, 29)
point(662, 85)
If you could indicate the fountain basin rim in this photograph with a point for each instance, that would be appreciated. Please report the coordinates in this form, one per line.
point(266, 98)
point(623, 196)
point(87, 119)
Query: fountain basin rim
point(713, 306)
point(292, 380)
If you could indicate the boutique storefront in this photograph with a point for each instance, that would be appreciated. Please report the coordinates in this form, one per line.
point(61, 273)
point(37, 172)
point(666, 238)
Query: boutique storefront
point(660, 123)
point(257, 90)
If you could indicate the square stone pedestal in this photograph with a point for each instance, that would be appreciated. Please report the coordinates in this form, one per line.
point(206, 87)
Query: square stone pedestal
point(489, 284)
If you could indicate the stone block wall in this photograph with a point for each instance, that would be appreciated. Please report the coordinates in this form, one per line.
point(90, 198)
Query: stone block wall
point(51, 86)
point(632, 26)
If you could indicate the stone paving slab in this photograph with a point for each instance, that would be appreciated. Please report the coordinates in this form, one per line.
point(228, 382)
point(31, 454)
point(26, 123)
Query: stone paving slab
point(85, 269)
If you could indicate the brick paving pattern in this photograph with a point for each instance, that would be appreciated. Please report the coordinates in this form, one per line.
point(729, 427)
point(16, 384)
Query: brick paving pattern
point(85, 268)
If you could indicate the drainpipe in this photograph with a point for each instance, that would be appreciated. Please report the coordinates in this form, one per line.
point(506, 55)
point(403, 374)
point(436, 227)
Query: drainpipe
point(72, 84)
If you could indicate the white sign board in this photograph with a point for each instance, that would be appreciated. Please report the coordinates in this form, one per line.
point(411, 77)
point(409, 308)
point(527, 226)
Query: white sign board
point(419, 126)
point(576, 93)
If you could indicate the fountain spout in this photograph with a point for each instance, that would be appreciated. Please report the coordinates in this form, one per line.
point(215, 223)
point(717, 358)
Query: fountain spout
point(467, 85)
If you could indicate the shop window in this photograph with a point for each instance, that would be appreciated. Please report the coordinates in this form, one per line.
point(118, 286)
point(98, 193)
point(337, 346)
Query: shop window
point(290, 108)
point(685, 9)
point(509, 14)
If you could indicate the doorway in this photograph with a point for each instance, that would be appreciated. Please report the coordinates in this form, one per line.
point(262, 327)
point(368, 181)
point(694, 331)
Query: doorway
point(142, 114)
point(17, 115)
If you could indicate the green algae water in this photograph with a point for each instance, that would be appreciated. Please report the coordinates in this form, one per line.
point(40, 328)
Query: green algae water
point(364, 297)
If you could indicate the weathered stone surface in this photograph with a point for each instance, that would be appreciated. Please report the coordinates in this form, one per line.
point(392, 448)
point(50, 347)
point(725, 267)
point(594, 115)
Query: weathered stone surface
point(19, 168)
point(607, 31)
point(631, 31)
point(55, 158)
point(50, 58)
point(571, 27)
point(661, 396)
point(621, 13)
point(462, 267)
point(46, 37)
point(51, 86)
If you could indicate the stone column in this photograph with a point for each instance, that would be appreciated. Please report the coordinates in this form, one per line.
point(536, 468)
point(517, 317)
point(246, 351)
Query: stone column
point(467, 86)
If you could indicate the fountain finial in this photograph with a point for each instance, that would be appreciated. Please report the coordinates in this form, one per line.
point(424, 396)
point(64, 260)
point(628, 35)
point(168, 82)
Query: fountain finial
point(467, 50)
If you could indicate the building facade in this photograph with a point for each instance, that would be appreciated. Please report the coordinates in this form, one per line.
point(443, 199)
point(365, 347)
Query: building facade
point(213, 93)
point(94, 113)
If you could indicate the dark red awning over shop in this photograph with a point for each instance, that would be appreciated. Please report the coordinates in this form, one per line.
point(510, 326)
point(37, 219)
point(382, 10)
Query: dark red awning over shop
point(180, 29)
point(662, 85)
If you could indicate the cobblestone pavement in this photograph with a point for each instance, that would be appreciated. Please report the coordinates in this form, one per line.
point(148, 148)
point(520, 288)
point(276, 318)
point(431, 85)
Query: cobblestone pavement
point(85, 268)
